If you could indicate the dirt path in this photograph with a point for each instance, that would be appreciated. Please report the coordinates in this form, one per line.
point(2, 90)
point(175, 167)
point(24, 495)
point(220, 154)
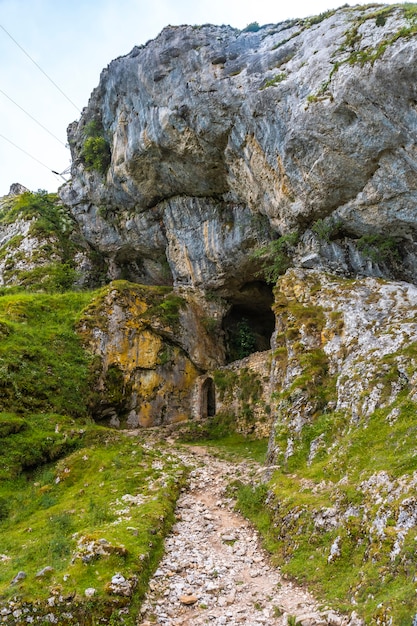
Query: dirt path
point(214, 570)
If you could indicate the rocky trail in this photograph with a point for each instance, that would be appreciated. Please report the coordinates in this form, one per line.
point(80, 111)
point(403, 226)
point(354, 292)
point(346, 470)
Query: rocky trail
point(214, 570)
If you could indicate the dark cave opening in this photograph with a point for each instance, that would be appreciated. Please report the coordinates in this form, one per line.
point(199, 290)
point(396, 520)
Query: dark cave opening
point(250, 321)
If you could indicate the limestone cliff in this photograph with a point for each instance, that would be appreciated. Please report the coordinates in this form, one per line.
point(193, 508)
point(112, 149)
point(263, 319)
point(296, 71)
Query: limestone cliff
point(208, 163)
point(213, 140)
point(342, 445)
point(345, 347)
point(146, 363)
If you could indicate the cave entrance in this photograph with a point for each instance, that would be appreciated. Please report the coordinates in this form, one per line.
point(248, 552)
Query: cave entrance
point(250, 321)
point(208, 398)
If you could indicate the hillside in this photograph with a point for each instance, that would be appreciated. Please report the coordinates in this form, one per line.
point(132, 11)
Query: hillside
point(233, 260)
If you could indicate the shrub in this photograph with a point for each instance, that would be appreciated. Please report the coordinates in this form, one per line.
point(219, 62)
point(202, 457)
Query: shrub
point(379, 248)
point(316, 19)
point(169, 309)
point(253, 27)
point(96, 153)
point(326, 229)
point(275, 80)
point(275, 257)
point(96, 149)
point(51, 278)
point(242, 340)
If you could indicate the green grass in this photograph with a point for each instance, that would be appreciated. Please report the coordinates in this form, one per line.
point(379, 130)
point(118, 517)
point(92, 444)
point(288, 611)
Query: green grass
point(286, 509)
point(359, 480)
point(55, 513)
point(62, 478)
point(43, 366)
point(33, 440)
point(379, 248)
point(219, 435)
point(50, 277)
point(236, 447)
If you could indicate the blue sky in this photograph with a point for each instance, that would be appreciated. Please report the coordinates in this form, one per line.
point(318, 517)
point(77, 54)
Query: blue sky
point(73, 41)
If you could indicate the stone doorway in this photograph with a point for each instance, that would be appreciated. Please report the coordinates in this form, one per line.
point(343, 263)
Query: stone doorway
point(208, 398)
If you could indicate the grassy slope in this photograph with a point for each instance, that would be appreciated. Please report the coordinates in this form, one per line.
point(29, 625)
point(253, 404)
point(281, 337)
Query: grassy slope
point(60, 515)
point(43, 366)
point(62, 478)
point(321, 519)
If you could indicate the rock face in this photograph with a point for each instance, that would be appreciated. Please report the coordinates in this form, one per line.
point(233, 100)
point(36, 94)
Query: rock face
point(41, 245)
point(207, 163)
point(146, 359)
point(343, 440)
point(240, 392)
point(219, 139)
point(208, 143)
point(340, 346)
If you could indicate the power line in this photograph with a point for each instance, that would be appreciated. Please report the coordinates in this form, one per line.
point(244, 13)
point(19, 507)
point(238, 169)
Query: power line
point(32, 118)
point(40, 69)
point(25, 152)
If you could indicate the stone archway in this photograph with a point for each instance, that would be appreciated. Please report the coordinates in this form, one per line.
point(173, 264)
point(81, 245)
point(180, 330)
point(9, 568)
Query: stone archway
point(208, 399)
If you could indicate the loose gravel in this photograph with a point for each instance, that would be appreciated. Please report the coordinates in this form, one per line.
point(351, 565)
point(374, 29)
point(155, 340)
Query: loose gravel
point(215, 571)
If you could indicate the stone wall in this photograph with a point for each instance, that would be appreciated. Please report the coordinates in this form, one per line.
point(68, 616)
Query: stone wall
point(242, 389)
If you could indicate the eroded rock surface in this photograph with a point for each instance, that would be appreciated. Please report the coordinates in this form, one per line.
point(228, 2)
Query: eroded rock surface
point(340, 345)
point(221, 138)
point(146, 357)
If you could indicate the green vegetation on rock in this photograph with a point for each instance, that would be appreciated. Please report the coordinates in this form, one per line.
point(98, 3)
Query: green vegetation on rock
point(369, 54)
point(79, 504)
point(242, 341)
point(326, 229)
point(339, 511)
point(379, 248)
point(44, 207)
point(275, 80)
point(253, 27)
point(96, 149)
point(358, 55)
point(43, 259)
point(339, 521)
point(276, 256)
point(241, 392)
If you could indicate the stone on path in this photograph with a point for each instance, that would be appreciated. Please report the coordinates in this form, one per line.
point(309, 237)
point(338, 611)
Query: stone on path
point(214, 570)
point(188, 600)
